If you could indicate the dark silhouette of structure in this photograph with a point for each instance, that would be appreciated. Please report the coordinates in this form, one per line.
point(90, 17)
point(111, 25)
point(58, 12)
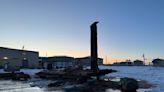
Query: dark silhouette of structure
point(94, 54)
point(158, 62)
point(138, 63)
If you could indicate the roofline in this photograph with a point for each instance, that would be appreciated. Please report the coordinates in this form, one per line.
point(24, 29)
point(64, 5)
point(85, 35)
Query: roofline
point(158, 59)
point(18, 49)
point(87, 57)
point(61, 56)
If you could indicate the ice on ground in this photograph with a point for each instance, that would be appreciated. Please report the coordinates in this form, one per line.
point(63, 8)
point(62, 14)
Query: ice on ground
point(26, 71)
point(2, 71)
point(31, 71)
point(154, 75)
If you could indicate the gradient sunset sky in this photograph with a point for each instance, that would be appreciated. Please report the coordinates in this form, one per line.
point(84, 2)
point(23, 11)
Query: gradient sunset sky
point(127, 28)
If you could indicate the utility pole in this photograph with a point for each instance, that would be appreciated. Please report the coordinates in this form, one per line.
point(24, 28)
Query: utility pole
point(94, 53)
point(144, 59)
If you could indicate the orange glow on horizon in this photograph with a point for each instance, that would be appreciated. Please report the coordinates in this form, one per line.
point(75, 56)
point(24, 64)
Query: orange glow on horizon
point(80, 54)
point(112, 60)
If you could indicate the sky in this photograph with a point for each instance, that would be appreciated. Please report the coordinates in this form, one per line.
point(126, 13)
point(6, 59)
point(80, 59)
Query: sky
point(127, 29)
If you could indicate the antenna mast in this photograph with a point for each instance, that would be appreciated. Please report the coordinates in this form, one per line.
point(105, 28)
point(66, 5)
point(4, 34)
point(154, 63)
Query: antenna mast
point(106, 60)
point(144, 59)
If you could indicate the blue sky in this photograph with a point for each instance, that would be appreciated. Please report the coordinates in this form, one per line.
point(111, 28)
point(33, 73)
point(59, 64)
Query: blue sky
point(127, 28)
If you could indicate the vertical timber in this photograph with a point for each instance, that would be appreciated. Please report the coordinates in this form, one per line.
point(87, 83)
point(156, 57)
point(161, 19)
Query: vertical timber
point(94, 53)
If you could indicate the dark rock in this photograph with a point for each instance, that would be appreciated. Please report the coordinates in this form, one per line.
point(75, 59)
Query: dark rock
point(21, 76)
point(101, 72)
point(41, 74)
point(14, 76)
point(56, 84)
point(106, 71)
point(128, 85)
point(82, 79)
point(6, 75)
point(95, 86)
point(79, 89)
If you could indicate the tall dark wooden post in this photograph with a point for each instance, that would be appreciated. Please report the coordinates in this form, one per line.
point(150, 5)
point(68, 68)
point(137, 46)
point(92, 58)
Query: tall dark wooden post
point(94, 54)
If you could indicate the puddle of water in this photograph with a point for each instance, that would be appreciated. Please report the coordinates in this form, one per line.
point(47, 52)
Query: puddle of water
point(139, 90)
point(112, 90)
point(144, 90)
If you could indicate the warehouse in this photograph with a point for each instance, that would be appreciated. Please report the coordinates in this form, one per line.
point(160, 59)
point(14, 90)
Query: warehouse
point(14, 59)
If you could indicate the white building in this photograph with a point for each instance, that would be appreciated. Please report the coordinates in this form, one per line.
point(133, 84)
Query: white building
point(57, 62)
point(16, 59)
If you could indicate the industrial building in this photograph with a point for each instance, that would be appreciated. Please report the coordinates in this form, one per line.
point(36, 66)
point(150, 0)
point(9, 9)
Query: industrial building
point(14, 59)
point(138, 63)
point(57, 62)
point(86, 61)
point(158, 62)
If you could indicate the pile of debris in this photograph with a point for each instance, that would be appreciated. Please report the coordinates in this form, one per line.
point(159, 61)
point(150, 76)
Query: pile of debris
point(15, 76)
point(125, 85)
point(85, 77)
point(77, 74)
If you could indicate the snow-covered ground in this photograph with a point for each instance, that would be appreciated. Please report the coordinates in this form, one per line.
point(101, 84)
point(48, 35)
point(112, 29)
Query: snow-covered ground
point(154, 75)
point(13, 86)
point(26, 71)
point(31, 71)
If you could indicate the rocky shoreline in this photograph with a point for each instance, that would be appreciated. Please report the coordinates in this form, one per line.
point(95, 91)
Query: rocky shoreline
point(89, 81)
point(102, 86)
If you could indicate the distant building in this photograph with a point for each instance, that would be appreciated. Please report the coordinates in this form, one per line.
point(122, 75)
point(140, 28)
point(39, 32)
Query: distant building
point(138, 63)
point(57, 62)
point(125, 63)
point(158, 62)
point(86, 61)
point(116, 63)
point(41, 62)
point(14, 59)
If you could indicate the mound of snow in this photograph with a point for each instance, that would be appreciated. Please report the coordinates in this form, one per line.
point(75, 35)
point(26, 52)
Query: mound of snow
point(31, 71)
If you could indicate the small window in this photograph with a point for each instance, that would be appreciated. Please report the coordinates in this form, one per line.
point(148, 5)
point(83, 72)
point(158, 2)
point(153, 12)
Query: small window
point(24, 53)
point(5, 57)
point(24, 58)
